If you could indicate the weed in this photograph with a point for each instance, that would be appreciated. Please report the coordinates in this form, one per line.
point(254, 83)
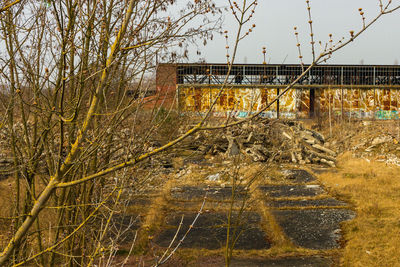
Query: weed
point(374, 235)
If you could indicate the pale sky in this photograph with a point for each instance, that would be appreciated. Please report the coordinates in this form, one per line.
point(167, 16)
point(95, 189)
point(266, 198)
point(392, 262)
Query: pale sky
point(275, 20)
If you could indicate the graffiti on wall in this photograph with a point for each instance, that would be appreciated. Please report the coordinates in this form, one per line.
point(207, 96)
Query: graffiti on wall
point(382, 104)
point(241, 102)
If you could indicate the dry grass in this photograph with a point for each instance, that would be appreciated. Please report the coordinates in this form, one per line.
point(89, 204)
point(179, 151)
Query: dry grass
point(271, 227)
point(6, 206)
point(373, 237)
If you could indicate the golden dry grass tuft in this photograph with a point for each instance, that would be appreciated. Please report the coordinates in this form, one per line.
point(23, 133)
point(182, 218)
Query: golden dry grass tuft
point(373, 237)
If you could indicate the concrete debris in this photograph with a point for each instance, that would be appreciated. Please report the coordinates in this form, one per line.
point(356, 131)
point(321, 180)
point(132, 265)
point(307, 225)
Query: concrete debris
point(380, 140)
point(272, 141)
point(328, 162)
point(233, 147)
point(318, 136)
point(214, 177)
point(324, 149)
point(393, 159)
point(378, 143)
point(287, 136)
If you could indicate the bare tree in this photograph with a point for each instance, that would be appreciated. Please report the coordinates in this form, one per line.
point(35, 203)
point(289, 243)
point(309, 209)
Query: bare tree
point(66, 67)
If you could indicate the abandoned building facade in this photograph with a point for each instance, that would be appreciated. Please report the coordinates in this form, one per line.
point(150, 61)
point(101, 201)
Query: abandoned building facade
point(355, 91)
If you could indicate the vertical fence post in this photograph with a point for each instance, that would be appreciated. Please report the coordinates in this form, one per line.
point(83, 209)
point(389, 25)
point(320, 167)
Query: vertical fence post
point(277, 93)
point(374, 83)
point(177, 99)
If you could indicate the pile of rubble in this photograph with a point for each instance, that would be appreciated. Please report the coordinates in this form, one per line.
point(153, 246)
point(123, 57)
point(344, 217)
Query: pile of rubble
point(263, 141)
point(385, 148)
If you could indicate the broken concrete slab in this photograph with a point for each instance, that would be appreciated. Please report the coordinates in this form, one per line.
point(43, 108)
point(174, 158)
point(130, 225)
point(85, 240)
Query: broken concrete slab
point(324, 149)
point(233, 147)
point(214, 238)
point(328, 162)
point(284, 262)
point(214, 192)
point(257, 152)
point(314, 228)
point(209, 231)
point(324, 202)
point(291, 190)
point(321, 155)
point(214, 177)
point(210, 205)
point(210, 219)
point(218, 261)
point(317, 135)
point(298, 176)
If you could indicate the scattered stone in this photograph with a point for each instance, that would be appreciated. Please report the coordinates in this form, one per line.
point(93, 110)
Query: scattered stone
point(381, 139)
point(214, 177)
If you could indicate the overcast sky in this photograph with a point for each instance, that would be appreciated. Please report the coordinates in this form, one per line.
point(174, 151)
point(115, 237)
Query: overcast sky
point(275, 20)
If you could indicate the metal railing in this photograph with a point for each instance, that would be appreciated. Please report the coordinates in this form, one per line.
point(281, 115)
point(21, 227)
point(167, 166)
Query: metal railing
point(283, 74)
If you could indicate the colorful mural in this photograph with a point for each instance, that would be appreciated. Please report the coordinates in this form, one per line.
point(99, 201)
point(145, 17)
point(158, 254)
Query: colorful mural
point(240, 101)
point(361, 103)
